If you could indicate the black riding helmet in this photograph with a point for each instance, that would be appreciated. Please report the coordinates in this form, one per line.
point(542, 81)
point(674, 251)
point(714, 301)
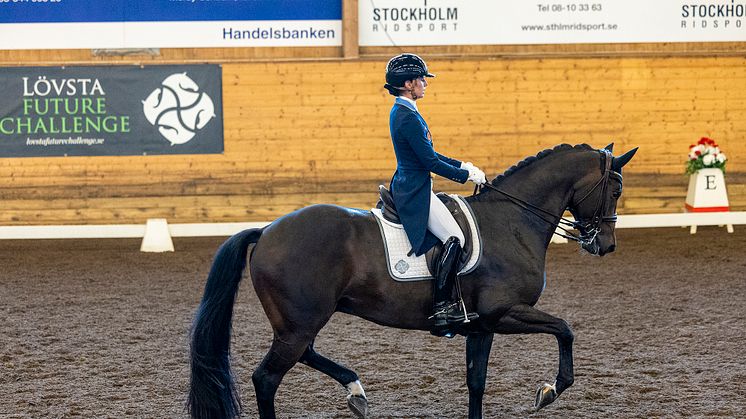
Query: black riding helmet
point(404, 67)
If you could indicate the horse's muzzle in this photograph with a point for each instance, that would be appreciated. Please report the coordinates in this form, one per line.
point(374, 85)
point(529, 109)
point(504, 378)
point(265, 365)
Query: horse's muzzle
point(595, 249)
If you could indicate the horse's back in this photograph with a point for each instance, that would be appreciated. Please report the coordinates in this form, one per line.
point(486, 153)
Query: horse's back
point(317, 222)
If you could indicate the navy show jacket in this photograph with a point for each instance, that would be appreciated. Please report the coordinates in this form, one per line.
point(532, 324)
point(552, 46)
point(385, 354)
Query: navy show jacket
point(411, 184)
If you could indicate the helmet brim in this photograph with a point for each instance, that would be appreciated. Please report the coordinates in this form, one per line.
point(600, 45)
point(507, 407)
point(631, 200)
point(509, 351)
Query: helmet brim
point(429, 75)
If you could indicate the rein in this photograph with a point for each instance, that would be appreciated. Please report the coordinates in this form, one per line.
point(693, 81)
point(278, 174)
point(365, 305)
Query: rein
point(588, 229)
point(533, 209)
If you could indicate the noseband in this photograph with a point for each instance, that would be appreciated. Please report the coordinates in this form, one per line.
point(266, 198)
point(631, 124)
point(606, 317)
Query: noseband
point(588, 227)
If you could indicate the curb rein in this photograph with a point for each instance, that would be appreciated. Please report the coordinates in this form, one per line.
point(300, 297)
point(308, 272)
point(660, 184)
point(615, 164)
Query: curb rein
point(588, 228)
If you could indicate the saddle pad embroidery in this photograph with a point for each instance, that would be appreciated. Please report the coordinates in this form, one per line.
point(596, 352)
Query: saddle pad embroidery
point(414, 268)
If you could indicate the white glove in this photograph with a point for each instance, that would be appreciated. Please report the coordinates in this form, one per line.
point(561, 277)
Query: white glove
point(466, 165)
point(477, 176)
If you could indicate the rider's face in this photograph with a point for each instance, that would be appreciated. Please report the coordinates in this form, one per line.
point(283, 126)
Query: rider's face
point(417, 87)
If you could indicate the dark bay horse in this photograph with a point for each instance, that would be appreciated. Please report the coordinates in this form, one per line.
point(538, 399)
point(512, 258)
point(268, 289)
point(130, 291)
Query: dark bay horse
point(311, 263)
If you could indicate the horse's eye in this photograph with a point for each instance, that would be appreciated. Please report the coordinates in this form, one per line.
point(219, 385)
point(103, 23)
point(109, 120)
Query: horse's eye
point(616, 194)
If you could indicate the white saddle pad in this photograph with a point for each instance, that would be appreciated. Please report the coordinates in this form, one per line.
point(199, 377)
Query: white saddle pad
point(414, 268)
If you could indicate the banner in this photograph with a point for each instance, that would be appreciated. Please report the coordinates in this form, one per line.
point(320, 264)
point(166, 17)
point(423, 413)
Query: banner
point(502, 22)
point(111, 111)
point(102, 24)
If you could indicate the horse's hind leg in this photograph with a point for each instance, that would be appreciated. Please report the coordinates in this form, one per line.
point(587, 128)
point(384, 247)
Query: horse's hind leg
point(356, 399)
point(522, 318)
point(282, 355)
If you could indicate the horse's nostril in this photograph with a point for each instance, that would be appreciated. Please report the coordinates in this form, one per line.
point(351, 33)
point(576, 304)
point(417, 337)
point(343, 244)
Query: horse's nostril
point(612, 248)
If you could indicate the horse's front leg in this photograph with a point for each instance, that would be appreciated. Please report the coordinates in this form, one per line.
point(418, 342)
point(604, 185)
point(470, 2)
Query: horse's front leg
point(478, 347)
point(523, 318)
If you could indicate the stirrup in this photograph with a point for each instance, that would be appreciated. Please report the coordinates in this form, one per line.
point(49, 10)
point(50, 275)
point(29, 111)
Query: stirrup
point(453, 318)
point(449, 320)
point(468, 317)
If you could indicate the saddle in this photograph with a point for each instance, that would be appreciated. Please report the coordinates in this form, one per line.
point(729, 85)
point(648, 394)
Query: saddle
point(388, 210)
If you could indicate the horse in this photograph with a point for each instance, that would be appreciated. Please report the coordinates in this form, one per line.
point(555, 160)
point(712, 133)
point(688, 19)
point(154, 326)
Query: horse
point(322, 259)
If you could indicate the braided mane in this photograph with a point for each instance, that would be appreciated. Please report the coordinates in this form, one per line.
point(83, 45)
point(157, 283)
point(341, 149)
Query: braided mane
point(528, 160)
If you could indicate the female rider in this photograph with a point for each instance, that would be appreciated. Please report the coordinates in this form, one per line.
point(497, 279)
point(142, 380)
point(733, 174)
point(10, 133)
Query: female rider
point(425, 218)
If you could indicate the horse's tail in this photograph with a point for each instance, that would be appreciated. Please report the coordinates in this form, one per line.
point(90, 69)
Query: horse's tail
point(212, 392)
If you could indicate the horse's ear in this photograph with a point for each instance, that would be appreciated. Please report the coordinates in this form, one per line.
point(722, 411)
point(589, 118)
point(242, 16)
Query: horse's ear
point(618, 162)
point(609, 147)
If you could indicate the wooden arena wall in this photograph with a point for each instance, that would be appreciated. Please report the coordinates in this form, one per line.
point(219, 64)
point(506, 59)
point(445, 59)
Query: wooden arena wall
point(302, 130)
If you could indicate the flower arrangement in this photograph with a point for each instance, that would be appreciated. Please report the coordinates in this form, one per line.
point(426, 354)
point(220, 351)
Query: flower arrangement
point(705, 154)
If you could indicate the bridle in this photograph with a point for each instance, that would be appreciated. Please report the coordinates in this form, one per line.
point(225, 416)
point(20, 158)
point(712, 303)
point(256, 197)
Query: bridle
point(587, 227)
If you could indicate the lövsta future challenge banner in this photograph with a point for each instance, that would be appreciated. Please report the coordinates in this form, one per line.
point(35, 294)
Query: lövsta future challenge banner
point(111, 110)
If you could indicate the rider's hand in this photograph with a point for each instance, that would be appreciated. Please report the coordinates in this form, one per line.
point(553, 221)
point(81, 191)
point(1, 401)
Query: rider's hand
point(466, 165)
point(477, 176)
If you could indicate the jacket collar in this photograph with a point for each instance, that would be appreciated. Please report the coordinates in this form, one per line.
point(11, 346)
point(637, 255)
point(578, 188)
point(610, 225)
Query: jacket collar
point(406, 102)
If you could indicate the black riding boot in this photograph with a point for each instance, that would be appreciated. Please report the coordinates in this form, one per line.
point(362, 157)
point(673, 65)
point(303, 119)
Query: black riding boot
point(447, 311)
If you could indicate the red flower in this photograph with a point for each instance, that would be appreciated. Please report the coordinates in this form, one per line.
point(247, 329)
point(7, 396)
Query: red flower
point(707, 141)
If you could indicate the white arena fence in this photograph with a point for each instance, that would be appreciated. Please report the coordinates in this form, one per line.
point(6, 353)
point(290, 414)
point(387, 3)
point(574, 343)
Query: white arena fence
point(157, 233)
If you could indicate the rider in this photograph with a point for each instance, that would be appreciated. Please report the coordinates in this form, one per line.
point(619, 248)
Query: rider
point(424, 217)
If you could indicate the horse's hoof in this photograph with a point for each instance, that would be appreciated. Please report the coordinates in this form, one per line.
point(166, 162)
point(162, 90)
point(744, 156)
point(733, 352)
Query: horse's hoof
point(358, 405)
point(547, 393)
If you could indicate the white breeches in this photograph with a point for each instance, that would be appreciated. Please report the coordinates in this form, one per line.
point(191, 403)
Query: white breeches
point(441, 223)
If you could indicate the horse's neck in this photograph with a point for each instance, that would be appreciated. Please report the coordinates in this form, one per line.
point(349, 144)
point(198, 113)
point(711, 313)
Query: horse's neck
point(546, 184)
